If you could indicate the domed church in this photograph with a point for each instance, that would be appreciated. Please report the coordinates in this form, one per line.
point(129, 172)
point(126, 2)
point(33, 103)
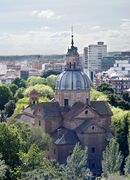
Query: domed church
point(72, 117)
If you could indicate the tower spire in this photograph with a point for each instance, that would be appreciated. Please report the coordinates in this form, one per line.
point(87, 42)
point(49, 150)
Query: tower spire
point(72, 41)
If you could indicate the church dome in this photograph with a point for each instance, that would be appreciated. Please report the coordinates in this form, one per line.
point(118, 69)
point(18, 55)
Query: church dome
point(72, 80)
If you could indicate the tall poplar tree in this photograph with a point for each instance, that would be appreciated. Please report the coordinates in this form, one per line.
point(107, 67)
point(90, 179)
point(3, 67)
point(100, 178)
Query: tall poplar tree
point(112, 158)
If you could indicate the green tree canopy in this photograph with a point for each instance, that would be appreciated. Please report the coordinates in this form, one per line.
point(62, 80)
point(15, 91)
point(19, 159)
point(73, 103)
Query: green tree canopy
point(43, 90)
point(3, 168)
point(127, 166)
point(13, 88)
point(5, 95)
point(50, 72)
point(32, 159)
point(75, 168)
point(112, 158)
point(51, 81)
point(33, 80)
point(10, 107)
point(19, 94)
point(106, 88)
point(19, 82)
point(9, 144)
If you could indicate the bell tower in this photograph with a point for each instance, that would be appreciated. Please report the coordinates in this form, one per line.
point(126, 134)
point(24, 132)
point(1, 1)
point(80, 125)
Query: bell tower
point(34, 97)
point(72, 56)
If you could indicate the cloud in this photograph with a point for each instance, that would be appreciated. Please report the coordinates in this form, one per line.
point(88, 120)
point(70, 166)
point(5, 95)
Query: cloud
point(125, 24)
point(46, 14)
point(95, 28)
point(62, 34)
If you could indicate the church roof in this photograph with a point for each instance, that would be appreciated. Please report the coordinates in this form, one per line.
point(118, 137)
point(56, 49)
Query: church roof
point(50, 109)
point(26, 118)
point(67, 137)
point(101, 107)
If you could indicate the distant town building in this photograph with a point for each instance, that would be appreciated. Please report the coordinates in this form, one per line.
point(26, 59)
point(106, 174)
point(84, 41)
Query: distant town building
point(53, 66)
point(117, 79)
point(108, 62)
point(24, 74)
point(122, 67)
point(119, 84)
point(93, 55)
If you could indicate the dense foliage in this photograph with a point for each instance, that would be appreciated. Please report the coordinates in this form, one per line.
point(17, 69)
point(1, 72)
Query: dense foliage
point(5, 95)
point(112, 158)
point(76, 166)
point(115, 100)
point(50, 72)
point(43, 90)
point(33, 80)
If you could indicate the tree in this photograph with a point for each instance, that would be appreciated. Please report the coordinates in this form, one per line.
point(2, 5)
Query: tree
point(3, 168)
point(121, 128)
point(13, 88)
point(112, 158)
point(76, 166)
point(5, 95)
point(38, 137)
point(9, 145)
point(43, 90)
point(32, 159)
point(33, 80)
point(10, 107)
point(106, 88)
point(51, 81)
point(127, 166)
point(19, 82)
point(50, 72)
point(19, 94)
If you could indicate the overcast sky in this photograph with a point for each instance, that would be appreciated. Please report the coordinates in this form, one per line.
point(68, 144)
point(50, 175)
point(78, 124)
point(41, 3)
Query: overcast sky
point(43, 26)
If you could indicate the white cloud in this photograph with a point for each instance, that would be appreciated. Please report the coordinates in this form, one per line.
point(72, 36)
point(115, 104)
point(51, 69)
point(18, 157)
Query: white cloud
point(62, 34)
point(125, 24)
point(95, 28)
point(46, 14)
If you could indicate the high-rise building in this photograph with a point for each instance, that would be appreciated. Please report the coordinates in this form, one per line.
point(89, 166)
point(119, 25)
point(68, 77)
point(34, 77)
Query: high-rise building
point(93, 55)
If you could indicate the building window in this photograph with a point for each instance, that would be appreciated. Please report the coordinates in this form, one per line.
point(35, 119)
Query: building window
point(39, 123)
point(123, 68)
point(54, 151)
point(74, 65)
point(78, 84)
point(93, 165)
point(87, 101)
point(93, 149)
point(92, 127)
point(66, 102)
point(86, 112)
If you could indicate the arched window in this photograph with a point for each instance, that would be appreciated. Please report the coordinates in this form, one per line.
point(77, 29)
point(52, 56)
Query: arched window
point(74, 65)
point(78, 84)
point(93, 149)
point(66, 102)
point(39, 123)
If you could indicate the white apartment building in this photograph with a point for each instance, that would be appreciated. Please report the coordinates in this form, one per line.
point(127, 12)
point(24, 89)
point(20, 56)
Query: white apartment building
point(122, 66)
point(93, 55)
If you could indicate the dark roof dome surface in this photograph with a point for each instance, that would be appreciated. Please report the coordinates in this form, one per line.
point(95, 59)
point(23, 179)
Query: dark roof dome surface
point(72, 80)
